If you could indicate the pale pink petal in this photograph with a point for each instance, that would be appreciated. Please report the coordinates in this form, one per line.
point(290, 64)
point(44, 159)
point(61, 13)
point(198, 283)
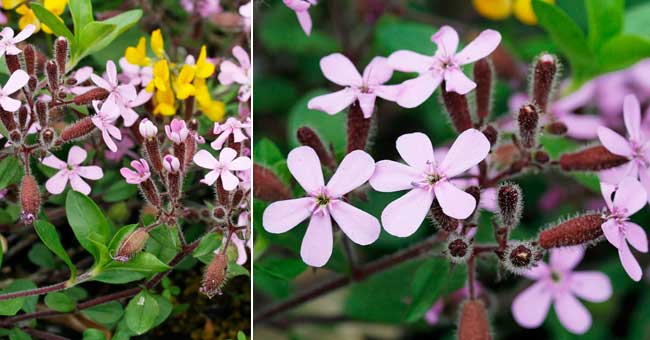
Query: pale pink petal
point(76, 155)
point(91, 172)
point(632, 116)
point(367, 103)
point(572, 314)
point(54, 162)
point(355, 169)
point(591, 285)
point(377, 72)
point(282, 216)
point(469, 149)
point(409, 61)
point(227, 155)
point(211, 177)
point(530, 307)
point(339, 69)
point(644, 177)
point(454, 202)
point(447, 40)
point(333, 103)
point(204, 159)
point(242, 57)
point(9, 104)
point(614, 142)
point(79, 185)
point(25, 33)
point(240, 163)
point(305, 21)
point(636, 236)
point(403, 216)
point(630, 196)
point(305, 167)
point(457, 81)
point(241, 250)
point(388, 92)
point(581, 126)
point(16, 81)
point(416, 91)
point(630, 264)
point(479, 48)
point(101, 82)
point(111, 72)
point(567, 258)
point(229, 180)
point(607, 190)
point(361, 227)
point(541, 270)
point(56, 184)
point(612, 232)
point(392, 176)
point(316, 248)
point(415, 149)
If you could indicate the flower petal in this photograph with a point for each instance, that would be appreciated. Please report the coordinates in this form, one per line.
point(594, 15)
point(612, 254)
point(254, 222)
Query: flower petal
point(469, 149)
point(229, 180)
point(227, 155)
point(377, 72)
point(416, 150)
point(91, 172)
point(240, 163)
point(361, 227)
point(316, 248)
point(531, 306)
point(56, 184)
point(333, 103)
point(79, 184)
point(566, 258)
point(454, 202)
point(612, 232)
point(354, 170)
point(457, 81)
point(636, 236)
point(447, 40)
point(417, 90)
point(630, 195)
point(392, 176)
point(16, 81)
point(305, 21)
point(305, 167)
point(338, 69)
point(479, 48)
point(205, 159)
point(409, 61)
point(630, 264)
point(9, 104)
point(591, 285)
point(403, 216)
point(632, 116)
point(76, 155)
point(54, 162)
point(367, 104)
point(614, 142)
point(572, 314)
point(282, 216)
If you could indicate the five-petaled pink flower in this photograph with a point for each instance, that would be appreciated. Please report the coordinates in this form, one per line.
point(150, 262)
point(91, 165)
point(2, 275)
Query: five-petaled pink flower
point(16, 81)
point(230, 73)
point(629, 197)
point(134, 74)
point(8, 41)
point(105, 119)
point(636, 148)
point(71, 171)
point(177, 131)
point(301, 7)
point(427, 179)
point(141, 173)
point(120, 94)
point(233, 127)
point(365, 89)
point(445, 65)
point(223, 167)
point(323, 201)
point(557, 283)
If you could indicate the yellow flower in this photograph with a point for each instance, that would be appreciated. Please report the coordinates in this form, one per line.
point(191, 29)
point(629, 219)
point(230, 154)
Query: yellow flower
point(138, 55)
point(157, 44)
point(501, 9)
point(204, 68)
point(57, 7)
point(213, 109)
point(164, 103)
point(11, 4)
point(523, 10)
point(160, 77)
point(183, 82)
point(27, 17)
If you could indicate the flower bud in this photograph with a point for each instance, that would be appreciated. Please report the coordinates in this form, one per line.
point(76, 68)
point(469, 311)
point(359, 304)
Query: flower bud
point(543, 80)
point(475, 191)
point(521, 256)
point(150, 192)
point(8, 120)
point(358, 128)
point(579, 230)
point(91, 95)
point(595, 158)
point(173, 167)
point(77, 130)
point(147, 129)
point(557, 128)
point(30, 199)
point(443, 221)
point(220, 214)
point(61, 51)
point(215, 276)
point(509, 200)
point(15, 136)
point(47, 136)
point(483, 79)
point(474, 324)
point(528, 119)
point(458, 249)
point(23, 114)
point(268, 186)
point(457, 108)
point(308, 137)
point(13, 62)
point(132, 244)
point(41, 108)
point(29, 54)
point(177, 131)
point(491, 134)
point(542, 157)
point(171, 163)
point(52, 72)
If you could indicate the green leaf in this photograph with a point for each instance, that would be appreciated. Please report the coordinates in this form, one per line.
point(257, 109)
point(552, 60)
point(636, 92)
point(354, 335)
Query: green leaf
point(12, 306)
point(93, 334)
point(282, 268)
point(235, 269)
point(87, 221)
point(636, 20)
point(623, 51)
point(11, 171)
point(241, 335)
point(426, 287)
point(59, 302)
point(41, 256)
point(142, 263)
point(55, 24)
point(121, 24)
point(120, 191)
point(141, 313)
point(208, 244)
point(106, 314)
point(267, 153)
point(18, 334)
point(390, 33)
point(49, 236)
point(165, 309)
point(116, 241)
point(119, 277)
point(605, 18)
point(82, 14)
point(91, 35)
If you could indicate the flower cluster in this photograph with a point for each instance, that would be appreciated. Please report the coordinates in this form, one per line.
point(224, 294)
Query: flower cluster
point(27, 16)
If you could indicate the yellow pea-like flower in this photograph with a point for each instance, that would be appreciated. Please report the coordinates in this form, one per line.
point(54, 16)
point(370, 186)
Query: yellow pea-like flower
point(138, 55)
point(160, 76)
point(215, 110)
point(523, 10)
point(27, 17)
point(11, 4)
point(493, 9)
point(57, 7)
point(158, 44)
point(184, 87)
point(164, 103)
point(204, 68)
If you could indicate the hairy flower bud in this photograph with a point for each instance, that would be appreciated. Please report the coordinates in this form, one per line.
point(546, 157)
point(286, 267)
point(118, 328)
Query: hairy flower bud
point(483, 79)
point(579, 230)
point(527, 120)
point(23, 114)
point(491, 134)
point(15, 136)
point(268, 186)
point(150, 192)
point(47, 136)
point(542, 157)
point(215, 276)
point(52, 72)
point(595, 158)
point(308, 137)
point(29, 54)
point(220, 214)
point(457, 108)
point(61, 51)
point(30, 199)
point(557, 128)
point(91, 95)
point(358, 128)
point(458, 249)
point(476, 193)
point(8, 120)
point(521, 256)
point(42, 112)
point(474, 323)
point(543, 80)
point(79, 129)
point(13, 62)
point(173, 167)
point(509, 200)
point(132, 244)
point(443, 221)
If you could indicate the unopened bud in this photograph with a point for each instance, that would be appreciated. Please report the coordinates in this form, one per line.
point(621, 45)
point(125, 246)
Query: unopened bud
point(147, 129)
point(131, 245)
point(47, 136)
point(576, 231)
point(29, 54)
point(528, 119)
point(61, 51)
point(509, 200)
point(215, 276)
point(23, 114)
point(52, 72)
point(474, 324)
point(483, 80)
point(458, 109)
point(153, 150)
point(8, 120)
point(543, 80)
point(542, 157)
point(15, 136)
point(595, 158)
point(476, 193)
point(150, 192)
point(358, 128)
point(42, 112)
point(30, 199)
point(77, 130)
point(13, 62)
point(443, 221)
point(268, 186)
point(458, 249)
point(521, 256)
point(179, 152)
point(220, 214)
point(557, 128)
point(491, 134)
point(237, 197)
point(173, 167)
point(91, 95)
point(190, 149)
point(308, 137)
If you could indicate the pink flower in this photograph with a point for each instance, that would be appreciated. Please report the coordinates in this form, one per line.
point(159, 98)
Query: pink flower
point(445, 65)
point(426, 179)
point(240, 245)
point(340, 70)
point(80, 76)
point(230, 73)
point(171, 163)
point(16, 81)
point(104, 120)
point(134, 74)
point(204, 8)
point(71, 171)
point(233, 127)
point(177, 131)
point(636, 147)
point(120, 94)
point(559, 285)
point(323, 201)
point(147, 128)
point(246, 12)
point(301, 7)
point(629, 198)
point(222, 168)
point(141, 173)
point(123, 149)
point(8, 41)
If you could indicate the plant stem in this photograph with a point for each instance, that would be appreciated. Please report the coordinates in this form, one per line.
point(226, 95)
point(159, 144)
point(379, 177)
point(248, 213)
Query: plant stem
point(43, 335)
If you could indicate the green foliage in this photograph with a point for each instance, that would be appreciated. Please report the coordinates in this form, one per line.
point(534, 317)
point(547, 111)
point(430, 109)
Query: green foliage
point(106, 314)
point(59, 302)
point(141, 313)
point(49, 236)
point(11, 171)
point(93, 334)
point(88, 223)
point(12, 306)
point(143, 262)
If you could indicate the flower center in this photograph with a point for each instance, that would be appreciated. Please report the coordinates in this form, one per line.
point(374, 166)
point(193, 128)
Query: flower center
point(322, 200)
point(433, 178)
point(555, 276)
